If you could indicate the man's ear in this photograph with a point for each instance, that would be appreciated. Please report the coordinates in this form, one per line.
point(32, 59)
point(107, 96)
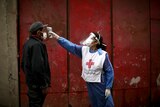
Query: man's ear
point(38, 32)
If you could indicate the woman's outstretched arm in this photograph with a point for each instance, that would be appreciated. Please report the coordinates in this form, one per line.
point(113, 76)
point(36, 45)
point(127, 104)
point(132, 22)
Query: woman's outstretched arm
point(68, 45)
point(71, 47)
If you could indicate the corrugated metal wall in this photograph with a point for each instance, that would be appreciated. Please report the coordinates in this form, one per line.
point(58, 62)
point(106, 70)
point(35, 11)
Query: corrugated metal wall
point(129, 28)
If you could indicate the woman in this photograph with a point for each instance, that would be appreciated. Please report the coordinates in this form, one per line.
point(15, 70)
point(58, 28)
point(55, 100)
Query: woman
point(97, 70)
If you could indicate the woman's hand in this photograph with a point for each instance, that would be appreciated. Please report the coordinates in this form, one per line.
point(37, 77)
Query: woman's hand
point(107, 92)
point(51, 33)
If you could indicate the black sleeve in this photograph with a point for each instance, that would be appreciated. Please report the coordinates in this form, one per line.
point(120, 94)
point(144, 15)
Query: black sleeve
point(37, 64)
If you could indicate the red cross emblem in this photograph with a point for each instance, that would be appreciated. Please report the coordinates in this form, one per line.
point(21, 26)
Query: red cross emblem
point(90, 63)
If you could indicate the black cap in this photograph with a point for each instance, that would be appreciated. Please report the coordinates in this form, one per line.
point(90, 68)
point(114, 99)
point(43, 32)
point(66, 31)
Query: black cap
point(36, 26)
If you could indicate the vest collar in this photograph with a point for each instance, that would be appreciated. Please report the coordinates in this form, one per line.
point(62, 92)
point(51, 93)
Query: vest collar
point(99, 51)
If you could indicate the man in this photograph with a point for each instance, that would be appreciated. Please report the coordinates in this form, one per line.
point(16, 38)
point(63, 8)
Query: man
point(36, 66)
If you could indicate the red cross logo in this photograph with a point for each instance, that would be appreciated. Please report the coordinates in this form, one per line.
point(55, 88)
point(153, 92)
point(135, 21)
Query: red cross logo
point(90, 63)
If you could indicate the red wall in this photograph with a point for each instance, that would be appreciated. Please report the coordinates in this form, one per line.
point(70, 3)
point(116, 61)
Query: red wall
point(155, 51)
point(131, 40)
point(129, 28)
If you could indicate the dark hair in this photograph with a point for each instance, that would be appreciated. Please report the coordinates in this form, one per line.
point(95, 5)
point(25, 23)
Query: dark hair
point(101, 44)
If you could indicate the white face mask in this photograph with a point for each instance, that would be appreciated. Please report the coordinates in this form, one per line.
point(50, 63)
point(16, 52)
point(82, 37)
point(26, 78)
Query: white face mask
point(89, 40)
point(44, 35)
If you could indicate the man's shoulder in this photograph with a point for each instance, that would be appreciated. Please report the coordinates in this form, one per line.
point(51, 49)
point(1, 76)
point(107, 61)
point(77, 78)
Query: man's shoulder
point(29, 44)
point(32, 42)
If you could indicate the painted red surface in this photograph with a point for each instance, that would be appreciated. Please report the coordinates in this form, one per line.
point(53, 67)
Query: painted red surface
point(79, 99)
point(131, 97)
point(131, 40)
point(132, 43)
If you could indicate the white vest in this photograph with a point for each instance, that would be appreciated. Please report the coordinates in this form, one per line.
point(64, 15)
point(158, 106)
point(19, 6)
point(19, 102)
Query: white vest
point(92, 65)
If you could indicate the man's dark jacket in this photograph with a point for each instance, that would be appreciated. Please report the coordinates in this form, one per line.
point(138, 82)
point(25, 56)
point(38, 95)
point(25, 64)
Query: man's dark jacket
point(35, 64)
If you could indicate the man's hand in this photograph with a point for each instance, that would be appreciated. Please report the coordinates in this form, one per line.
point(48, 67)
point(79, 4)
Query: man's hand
point(45, 91)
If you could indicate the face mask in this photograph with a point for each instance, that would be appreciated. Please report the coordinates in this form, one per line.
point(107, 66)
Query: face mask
point(44, 36)
point(88, 42)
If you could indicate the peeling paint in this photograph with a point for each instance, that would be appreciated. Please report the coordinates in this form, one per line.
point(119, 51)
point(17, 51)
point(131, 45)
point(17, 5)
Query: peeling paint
point(158, 80)
point(73, 88)
point(125, 80)
point(136, 65)
point(64, 85)
point(116, 67)
point(124, 62)
point(135, 80)
point(144, 59)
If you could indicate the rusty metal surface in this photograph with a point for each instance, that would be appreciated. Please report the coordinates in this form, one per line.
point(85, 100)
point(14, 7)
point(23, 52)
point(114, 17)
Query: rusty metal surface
point(52, 12)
